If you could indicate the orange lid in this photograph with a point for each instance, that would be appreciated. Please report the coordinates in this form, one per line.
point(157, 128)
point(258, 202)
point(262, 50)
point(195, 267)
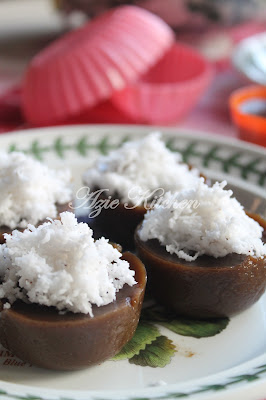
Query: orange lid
point(252, 127)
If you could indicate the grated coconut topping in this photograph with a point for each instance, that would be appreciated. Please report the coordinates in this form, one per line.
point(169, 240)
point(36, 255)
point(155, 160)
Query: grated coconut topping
point(59, 264)
point(30, 190)
point(145, 165)
point(216, 226)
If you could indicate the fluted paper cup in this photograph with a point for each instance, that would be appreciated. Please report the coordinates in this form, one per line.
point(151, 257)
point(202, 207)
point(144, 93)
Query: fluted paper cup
point(169, 90)
point(86, 66)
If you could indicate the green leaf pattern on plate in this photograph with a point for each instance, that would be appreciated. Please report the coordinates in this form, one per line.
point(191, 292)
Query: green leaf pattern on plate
point(145, 334)
point(60, 148)
point(190, 152)
point(149, 348)
point(255, 374)
point(185, 326)
point(214, 154)
point(156, 354)
point(196, 329)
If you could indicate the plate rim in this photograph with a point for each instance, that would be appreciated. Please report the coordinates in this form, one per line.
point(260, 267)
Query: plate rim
point(193, 133)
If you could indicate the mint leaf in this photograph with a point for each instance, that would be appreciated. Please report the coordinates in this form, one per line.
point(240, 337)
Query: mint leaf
point(145, 334)
point(156, 354)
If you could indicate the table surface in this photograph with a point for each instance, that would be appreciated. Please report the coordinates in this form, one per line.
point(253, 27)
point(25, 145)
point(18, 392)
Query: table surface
point(28, 25)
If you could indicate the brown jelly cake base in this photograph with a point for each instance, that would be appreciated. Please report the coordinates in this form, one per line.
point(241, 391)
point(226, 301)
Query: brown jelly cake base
point(208, 287)
point(41, 336)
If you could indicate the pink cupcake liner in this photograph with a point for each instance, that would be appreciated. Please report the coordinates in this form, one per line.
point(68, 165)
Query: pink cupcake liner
point(86, 66)
point(169, 90)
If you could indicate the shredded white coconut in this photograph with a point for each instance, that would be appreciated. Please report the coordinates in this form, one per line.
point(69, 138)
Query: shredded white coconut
point(140, 167)
point(30, 190)
point(212, 223)
point(59, 264)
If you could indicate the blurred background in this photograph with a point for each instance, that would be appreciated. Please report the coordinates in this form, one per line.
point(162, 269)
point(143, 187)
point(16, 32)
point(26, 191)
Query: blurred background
point(213, 27)
point(28, 25)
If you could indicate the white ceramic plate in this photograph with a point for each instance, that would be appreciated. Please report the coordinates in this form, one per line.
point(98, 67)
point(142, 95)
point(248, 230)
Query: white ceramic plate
point(228, 365)
point(249, 57)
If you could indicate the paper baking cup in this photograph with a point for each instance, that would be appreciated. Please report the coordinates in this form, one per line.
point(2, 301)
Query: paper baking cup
point(169, 90)
point(86, 66)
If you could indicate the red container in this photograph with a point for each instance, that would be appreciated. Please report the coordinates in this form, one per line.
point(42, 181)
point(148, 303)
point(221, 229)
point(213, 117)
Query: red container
point(169, 90)
point(247, 113)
